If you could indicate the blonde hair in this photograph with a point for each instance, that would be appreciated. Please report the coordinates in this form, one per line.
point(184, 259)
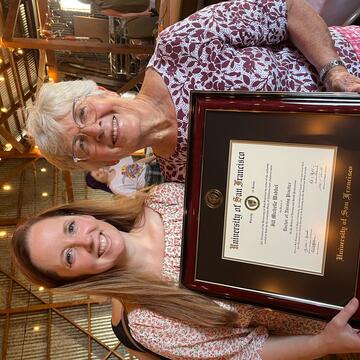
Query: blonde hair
point(54, 102)
point(131, 288)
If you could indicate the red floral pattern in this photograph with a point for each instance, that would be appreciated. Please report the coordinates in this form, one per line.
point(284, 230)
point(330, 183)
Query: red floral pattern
point(179, 340)
point(234, 45)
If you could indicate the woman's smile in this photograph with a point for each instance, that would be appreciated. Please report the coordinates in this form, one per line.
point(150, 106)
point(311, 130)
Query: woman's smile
point(104, 245)
point(115, 130)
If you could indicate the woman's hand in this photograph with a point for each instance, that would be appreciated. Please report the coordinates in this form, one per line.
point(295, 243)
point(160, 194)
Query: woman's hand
point(338, 336)
point(339, 79)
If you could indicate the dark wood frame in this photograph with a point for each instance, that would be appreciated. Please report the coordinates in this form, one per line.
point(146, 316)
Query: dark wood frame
point(339, 114)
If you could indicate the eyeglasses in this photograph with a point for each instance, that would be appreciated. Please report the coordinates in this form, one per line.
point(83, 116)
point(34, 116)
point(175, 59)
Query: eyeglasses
point(84, 114)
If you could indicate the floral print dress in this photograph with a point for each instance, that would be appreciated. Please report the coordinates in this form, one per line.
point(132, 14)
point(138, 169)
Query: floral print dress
point(236, 45)
point(179, 340)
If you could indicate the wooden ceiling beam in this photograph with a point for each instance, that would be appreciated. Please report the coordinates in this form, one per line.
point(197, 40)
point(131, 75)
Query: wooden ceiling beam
point(16, 171)
point(43, 14)
point(14, 154)
point(41, 70)
point(78, 46)
point(131, 83)
point(17, 80)
point(10, 138)
point(10, 22)
point(9, 222)
point(6, 116)
point(42, 307)
point(68, 185)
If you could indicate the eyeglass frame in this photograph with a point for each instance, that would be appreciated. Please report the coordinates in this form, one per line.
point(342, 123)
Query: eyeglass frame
point(79, 126)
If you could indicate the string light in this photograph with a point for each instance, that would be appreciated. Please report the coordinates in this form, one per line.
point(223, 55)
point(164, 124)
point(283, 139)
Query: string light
point(6, 187)
point(4, 110)
point(41, 288)
point(2, 78)
point(43, 170)
point(20, 51)
point(3, 233)
point(36, 328)
point(44, 194)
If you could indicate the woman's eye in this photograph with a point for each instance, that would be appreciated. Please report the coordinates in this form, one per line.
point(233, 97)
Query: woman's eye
point(82, 145)
point(71, 227)
point(82, 114)
point(69, 257)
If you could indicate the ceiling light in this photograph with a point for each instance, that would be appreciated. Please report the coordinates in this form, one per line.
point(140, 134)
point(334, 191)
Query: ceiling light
point(8, 147)
point(43, 169)
point(41, 288)
point(44, 194)
point(2, 78)
point(36, 328)
point(20, 51)
point(4, 110)
point(3, 233)
point(6, 187)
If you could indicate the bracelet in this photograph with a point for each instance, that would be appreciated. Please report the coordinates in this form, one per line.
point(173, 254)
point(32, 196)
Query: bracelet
point(330, 65)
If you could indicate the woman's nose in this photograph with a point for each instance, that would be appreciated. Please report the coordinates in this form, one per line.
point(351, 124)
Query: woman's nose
point(95, 131)
point(85, 241)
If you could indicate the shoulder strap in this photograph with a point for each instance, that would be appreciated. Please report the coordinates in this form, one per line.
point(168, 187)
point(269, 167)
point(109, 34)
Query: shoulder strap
point(122, 332)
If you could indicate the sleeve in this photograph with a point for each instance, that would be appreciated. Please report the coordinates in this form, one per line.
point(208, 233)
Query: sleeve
point(177, 340)
point(168, 194)
point(241, 23)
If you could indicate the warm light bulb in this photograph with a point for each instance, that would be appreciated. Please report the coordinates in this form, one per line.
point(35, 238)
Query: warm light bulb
point(8, 147)
point(36, 147)
point(3, 233)
point(2, 78)
point(44, 194)
point(6, 187)
point(41, 288)
point(43, 170)
point(36, 328)
point(51, 79)
point(1, 61)
point(4, 110)
point(20, 51)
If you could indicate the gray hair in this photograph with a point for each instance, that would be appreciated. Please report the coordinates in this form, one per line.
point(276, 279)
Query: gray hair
point(54, 102)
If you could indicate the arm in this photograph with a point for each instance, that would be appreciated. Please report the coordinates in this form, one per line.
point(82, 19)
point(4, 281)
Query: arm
point(309, 33)
point(337, 337)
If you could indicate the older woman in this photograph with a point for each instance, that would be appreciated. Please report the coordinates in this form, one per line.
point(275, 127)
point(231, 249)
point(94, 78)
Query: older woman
point(130, 250)
point(235, 45)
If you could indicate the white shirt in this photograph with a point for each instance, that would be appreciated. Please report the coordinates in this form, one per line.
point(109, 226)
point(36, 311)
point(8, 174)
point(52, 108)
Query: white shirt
point(129, 176)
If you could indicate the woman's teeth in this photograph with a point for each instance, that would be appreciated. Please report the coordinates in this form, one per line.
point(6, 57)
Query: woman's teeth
point(102, 245)
point(114, 130)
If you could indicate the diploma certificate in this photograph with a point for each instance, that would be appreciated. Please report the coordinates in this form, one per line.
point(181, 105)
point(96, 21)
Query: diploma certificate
point(277, 204)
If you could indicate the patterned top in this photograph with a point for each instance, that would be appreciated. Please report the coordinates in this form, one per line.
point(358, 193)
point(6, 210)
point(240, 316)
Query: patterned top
point(234, 45)
point(179, 340)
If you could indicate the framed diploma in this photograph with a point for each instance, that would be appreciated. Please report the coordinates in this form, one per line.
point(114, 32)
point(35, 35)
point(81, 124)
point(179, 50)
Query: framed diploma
point(273, 200)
